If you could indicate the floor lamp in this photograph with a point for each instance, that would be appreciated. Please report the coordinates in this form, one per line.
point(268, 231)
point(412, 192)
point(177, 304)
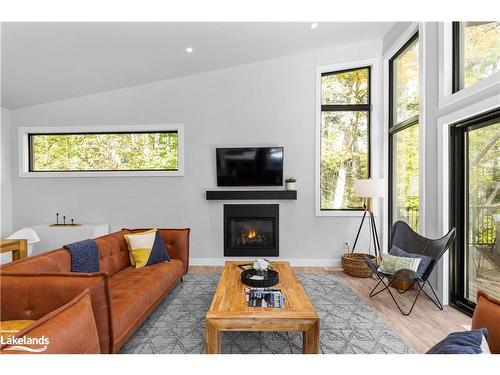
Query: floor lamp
point(369, 189)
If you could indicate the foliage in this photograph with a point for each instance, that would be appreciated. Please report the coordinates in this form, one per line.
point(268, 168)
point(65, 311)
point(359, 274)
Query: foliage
point(406, 84)
point(406, 175)
point(483, 172)
point(105, 151)
point(291, 179)
point(481, 50)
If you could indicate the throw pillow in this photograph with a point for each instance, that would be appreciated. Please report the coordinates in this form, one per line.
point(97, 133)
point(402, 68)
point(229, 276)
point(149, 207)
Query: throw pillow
point(425, 261)
point(146, 248)
point(391, 264)
point(467, 342)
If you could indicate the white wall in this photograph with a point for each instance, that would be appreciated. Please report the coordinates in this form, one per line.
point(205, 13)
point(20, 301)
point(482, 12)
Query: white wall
point(6, 178)
point(266, 103)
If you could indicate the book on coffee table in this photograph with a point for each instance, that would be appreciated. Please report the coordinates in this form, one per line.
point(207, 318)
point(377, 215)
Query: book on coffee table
point(265, 297)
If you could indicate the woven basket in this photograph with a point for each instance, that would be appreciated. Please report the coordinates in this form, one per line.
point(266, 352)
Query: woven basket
point(354, 264)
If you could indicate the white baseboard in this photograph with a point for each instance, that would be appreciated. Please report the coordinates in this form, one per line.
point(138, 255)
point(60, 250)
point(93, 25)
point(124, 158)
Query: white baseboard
point(293, 262)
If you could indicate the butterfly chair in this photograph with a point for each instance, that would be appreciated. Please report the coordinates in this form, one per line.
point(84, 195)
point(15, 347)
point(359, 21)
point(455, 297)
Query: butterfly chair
point(408, 240)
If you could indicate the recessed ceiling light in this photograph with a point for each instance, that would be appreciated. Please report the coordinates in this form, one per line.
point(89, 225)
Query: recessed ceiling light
point(314, 25)
point(189, 49)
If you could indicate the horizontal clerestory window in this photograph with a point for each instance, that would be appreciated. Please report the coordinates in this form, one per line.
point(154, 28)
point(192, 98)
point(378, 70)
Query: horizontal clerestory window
point(102, 152)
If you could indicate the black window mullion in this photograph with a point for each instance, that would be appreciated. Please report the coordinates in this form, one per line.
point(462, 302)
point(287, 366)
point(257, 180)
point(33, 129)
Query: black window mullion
point(344, 107)
point(457, 57)
point(404, 125)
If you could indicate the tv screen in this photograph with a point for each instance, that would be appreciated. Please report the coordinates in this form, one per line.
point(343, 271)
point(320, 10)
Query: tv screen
point(251, 166)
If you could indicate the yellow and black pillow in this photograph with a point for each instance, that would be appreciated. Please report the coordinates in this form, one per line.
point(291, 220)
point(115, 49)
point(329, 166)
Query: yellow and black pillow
point(146, 248)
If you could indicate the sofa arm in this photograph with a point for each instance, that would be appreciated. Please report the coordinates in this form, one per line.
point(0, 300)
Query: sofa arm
point(70, 329)
point(177, 243)
point(25, 296)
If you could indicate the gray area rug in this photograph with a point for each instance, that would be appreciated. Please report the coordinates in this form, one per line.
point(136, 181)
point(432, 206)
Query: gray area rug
point(347, 324)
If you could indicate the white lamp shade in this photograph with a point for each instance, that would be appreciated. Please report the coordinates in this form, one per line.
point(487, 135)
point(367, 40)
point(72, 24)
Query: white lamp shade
point(369, 188)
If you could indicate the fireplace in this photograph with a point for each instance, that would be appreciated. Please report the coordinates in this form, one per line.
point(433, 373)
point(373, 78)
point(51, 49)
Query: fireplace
point(251, 230)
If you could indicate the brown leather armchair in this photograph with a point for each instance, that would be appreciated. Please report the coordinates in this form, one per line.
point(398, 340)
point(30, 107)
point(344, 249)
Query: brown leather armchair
point(487, 315)
point(122, 296)
point(68, 329)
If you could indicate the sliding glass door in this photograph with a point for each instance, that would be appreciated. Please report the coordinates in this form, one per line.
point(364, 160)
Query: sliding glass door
point(476, 207)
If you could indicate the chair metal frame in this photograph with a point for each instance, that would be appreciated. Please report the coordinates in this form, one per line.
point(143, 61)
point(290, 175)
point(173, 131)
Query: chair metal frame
point(403, 236)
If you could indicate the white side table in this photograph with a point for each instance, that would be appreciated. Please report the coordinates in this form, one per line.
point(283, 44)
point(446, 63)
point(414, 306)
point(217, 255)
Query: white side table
point(55, 237)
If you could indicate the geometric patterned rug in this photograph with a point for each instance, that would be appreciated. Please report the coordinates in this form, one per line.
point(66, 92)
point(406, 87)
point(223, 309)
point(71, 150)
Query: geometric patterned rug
point(347, 324)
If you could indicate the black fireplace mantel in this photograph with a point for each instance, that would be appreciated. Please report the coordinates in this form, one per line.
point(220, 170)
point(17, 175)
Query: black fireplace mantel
point(251, 194)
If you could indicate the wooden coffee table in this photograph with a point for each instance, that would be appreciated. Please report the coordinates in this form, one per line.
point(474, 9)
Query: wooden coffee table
point(229, 310)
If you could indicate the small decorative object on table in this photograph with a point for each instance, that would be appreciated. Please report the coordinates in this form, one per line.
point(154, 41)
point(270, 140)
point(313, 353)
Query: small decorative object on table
point(261, 275)
point(64, 224)
point(291, 183)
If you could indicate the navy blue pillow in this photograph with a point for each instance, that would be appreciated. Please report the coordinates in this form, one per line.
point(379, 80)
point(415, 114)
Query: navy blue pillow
point(425, 261)
point(467, 342)
point(159, 252)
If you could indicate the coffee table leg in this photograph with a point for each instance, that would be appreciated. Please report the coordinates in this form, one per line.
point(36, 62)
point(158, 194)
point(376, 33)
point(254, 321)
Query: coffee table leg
point(213, 339)
point(311, 339)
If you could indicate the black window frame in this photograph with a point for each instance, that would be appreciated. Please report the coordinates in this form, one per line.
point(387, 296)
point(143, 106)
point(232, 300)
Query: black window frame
point(348, 108)
point(457, 209)
point(457, 57)
point(395, 128)
point(31, 153)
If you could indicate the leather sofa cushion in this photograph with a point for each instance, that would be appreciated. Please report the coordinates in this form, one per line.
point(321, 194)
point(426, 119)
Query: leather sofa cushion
point(113, 252)
point(135, 290)
point(487, 315)
point(70, 329)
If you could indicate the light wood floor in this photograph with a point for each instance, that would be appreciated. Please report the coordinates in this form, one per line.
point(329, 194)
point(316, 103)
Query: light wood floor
point(421, 330)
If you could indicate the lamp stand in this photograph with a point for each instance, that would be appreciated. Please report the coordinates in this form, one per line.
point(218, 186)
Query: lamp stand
point(373, 228)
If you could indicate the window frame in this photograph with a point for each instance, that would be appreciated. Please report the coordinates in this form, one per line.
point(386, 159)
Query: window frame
point(25, 135)
point(372, 65)
point(457, 202)
point(457, 60)
point(457, 57)
point(395, 128)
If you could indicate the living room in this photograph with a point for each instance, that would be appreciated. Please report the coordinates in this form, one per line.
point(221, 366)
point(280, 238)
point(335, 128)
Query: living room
point(155, 175)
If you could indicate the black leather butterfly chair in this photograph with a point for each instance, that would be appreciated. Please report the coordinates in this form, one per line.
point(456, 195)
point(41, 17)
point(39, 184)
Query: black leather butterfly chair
point(408, 240)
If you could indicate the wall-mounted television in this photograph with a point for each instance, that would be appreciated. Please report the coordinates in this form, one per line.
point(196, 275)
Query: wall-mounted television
point(250, 166)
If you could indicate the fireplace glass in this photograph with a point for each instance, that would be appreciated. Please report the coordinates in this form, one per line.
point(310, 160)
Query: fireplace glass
point(252, 232)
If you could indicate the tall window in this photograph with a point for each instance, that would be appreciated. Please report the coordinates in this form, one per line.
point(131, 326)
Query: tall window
point(344, 137)
point(476, 52)
point(404, 144)
point(102, 151)
point(476, 208)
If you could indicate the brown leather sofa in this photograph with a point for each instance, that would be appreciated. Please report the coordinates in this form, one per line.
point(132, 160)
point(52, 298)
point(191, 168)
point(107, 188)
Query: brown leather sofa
point(69, 329)
point(122, 296)
point(487, 315)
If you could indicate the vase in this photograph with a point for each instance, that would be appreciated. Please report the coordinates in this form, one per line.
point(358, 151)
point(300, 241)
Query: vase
point(291, 186)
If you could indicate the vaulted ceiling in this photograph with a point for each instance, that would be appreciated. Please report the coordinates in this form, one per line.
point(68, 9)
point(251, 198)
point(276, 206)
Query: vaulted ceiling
point(44, 62)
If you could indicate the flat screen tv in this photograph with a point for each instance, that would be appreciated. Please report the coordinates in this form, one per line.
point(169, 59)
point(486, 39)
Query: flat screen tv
point(250, 166)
